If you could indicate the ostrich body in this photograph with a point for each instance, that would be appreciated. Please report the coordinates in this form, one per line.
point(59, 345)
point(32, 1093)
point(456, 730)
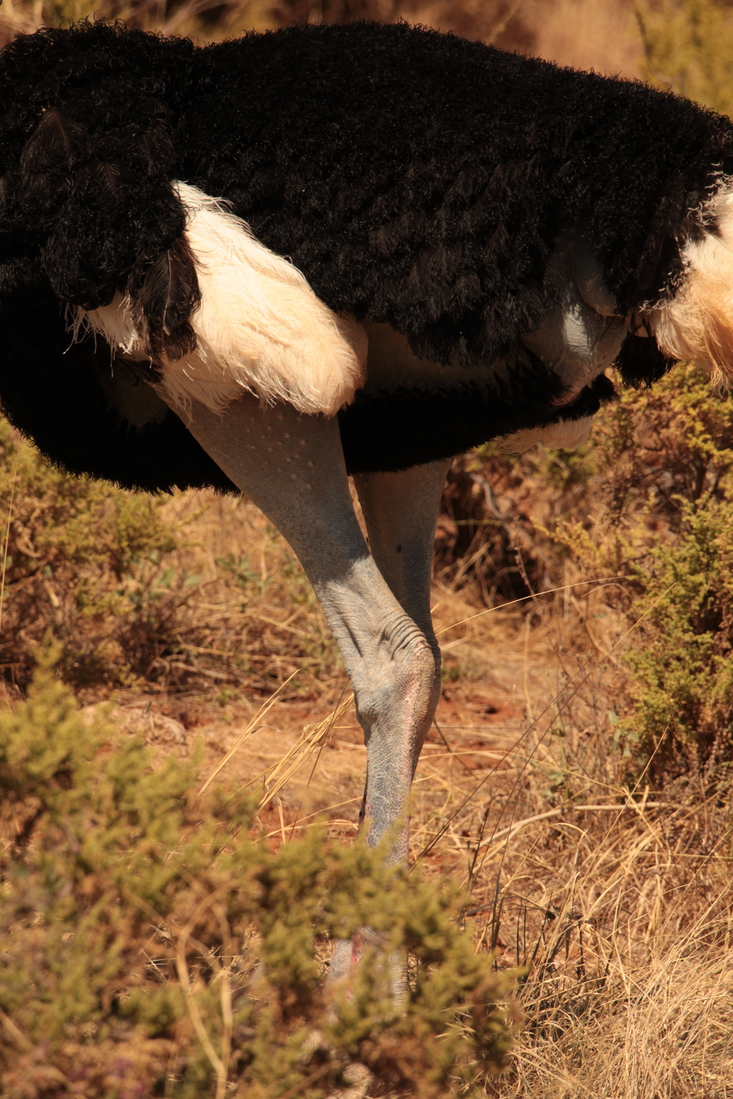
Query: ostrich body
point(270, 263)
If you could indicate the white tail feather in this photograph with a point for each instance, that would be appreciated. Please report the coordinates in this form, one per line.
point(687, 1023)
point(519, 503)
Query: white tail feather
point(259, 327)
point(697, 321)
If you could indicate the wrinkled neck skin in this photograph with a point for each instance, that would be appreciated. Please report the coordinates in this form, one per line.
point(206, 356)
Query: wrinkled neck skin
point(696, 321)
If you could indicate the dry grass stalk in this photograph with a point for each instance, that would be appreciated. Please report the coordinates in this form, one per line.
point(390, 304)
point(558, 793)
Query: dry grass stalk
point(252, 727)
point(311, 741)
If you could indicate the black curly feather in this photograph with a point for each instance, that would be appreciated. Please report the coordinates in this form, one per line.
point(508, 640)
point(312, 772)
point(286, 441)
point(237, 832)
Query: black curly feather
point(415, 178)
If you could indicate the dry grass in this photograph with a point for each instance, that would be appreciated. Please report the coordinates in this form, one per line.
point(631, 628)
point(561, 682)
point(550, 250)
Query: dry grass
point(615, 898)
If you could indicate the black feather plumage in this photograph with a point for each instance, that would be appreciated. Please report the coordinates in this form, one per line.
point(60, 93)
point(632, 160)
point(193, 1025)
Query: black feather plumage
point(415, 178)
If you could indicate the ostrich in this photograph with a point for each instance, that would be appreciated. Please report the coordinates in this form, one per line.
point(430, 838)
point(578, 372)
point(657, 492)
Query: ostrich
point(271, 263)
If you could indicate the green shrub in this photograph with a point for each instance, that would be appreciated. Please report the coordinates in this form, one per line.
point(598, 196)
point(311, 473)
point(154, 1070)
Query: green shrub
point(683, 668)
point(87, 561)
point(153, 945)
point(663, 520)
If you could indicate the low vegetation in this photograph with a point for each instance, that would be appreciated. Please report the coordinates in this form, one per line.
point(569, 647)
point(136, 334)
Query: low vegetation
point(153, 946)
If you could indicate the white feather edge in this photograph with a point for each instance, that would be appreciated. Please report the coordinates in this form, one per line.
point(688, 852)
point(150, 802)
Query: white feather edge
point(696, 322)
point(259, 328)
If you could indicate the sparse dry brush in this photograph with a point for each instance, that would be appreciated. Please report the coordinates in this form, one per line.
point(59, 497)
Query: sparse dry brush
point(598, 848)
point(143, 590)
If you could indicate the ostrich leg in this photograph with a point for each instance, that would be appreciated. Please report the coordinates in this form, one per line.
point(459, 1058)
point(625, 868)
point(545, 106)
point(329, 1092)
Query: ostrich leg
point(292, 467)
point(401, 511)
